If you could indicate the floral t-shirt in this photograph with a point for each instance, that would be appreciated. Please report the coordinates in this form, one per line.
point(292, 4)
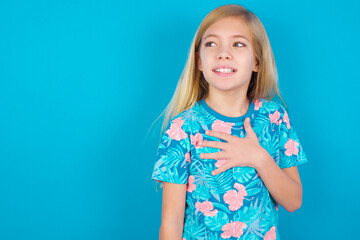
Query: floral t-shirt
point(234, 204)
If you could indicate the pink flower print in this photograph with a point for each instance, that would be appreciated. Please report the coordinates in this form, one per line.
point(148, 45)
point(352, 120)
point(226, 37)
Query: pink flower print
point(220, 162)
point(222, 126)
point(276, 207)
point(206, 208)
point(188, 157)
point(175, 131)
point(271, 234)
point(257, 104)
point(191, 187)
point(233, 229)
point(286, 120)
point(291, 147)
point(196, 139)
point(274, 117)
point(235, 199)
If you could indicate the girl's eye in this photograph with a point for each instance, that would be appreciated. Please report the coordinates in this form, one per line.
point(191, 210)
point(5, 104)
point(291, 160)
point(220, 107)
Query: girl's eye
point(239, 43)
point(236, 44)
point(207, 44)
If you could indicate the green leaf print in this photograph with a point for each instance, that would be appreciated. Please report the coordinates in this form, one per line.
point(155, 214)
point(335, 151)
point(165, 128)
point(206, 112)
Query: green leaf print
point(243, 174)
point(247, 214)
point(253, 191)
point(221, 206)
point(249, 236)
point(202, 192)
point(261, 127)
point(269, 215)
point(205, 118)
point(293, 160)
point(253, 183)
point(191, 207)
point(161, 145)
point(174, 154)
point(216, 222)
point(214, 236)
point(201, 121)
point(268, 106)
point(185, 144)
point(193, 229)
point(302, 155)
point(196, 169)
point(193, 126)
point(173, 176)
point(272, 145)
point(259, 121)
point(220, 183)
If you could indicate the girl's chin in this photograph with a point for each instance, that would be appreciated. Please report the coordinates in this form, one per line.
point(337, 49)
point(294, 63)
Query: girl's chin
point(226, 86)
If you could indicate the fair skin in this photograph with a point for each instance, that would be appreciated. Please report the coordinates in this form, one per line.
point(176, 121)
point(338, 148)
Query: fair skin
point(228, 96)
point(173, 211)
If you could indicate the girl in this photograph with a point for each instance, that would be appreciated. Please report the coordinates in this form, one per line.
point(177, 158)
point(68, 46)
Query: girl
point(229, 154)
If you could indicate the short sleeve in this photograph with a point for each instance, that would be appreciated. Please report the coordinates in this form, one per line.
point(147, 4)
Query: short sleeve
point(173, 154)
point(291, 151)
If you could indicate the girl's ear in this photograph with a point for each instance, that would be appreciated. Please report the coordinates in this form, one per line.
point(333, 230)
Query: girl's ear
point(256, 67)
point(198, 61)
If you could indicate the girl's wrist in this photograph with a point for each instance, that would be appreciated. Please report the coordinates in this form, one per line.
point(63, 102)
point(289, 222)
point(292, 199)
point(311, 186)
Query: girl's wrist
point(264, 157)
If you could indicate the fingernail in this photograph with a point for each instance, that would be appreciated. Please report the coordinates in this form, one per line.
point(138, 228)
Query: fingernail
point(207, 131)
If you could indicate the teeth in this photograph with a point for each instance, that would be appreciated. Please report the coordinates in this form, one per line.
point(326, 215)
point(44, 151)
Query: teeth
point(224, 70)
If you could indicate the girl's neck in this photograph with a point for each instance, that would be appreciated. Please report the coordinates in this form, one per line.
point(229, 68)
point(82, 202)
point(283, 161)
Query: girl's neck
point(228, 106)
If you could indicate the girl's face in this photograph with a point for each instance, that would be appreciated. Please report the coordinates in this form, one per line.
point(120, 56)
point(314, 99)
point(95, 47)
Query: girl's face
point(226, 44)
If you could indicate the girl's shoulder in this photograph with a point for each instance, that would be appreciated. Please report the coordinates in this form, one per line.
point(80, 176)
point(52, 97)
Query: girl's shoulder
point(269, 106)
point(182, 119)
point(192, 118)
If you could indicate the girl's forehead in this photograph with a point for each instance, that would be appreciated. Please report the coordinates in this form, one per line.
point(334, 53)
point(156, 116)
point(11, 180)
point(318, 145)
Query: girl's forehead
point(227, 27)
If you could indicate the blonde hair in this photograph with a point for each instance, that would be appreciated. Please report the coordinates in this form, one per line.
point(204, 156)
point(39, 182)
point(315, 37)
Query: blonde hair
point(192, 86)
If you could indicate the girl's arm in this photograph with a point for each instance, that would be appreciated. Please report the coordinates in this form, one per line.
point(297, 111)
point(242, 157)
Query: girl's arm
point(284, 184)
point(173, 210)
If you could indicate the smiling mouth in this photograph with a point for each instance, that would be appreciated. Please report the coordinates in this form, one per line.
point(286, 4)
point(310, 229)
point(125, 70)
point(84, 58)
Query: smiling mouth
point(224, 70)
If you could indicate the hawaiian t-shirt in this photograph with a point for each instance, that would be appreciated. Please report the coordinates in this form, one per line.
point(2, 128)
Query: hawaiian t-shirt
point(234, 204)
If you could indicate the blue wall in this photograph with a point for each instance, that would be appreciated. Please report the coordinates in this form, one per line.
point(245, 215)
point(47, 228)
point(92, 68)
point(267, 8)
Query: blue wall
point(82, 81)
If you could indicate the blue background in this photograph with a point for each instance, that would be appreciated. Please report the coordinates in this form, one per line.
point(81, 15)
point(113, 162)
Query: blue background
point(82, 81)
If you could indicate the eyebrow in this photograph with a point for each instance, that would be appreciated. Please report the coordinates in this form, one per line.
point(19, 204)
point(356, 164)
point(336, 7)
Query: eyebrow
point(234, 36)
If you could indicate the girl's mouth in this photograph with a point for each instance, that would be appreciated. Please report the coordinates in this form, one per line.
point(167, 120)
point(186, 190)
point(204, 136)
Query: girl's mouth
point(224, 72)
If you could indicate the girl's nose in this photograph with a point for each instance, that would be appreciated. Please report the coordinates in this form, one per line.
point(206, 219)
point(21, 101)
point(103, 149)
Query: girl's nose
point(224, 53)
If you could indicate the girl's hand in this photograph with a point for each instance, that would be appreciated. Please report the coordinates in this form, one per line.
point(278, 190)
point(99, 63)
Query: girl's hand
point(237, 151)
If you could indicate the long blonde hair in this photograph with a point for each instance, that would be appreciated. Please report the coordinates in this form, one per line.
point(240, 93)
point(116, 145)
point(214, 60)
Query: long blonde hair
point(192, 86)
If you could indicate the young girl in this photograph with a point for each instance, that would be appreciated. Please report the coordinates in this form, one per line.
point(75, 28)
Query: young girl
point(229, 154)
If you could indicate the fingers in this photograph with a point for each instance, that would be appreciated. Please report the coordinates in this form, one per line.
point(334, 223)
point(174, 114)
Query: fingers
point(221, 169)
point(213, 144)
point(214, 155)
point(249, 131)
point(224, 136)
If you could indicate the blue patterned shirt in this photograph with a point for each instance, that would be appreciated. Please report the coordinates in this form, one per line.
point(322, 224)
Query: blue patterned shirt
point(234, 204)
